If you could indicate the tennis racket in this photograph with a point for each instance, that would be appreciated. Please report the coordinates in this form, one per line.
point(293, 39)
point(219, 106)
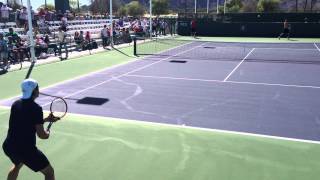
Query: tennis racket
point(58, 108)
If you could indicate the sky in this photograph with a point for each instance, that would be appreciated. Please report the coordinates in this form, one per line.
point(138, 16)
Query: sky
point(36, 3)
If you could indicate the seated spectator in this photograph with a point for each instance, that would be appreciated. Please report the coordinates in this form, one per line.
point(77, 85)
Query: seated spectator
point(52, 47)
point(87, 41)
point(78, 39)
point(13, 34)
point(47, 39)
point(41, 47)
point(12, 52)
point(87, 37)
point(126, 36)
point(22, 50)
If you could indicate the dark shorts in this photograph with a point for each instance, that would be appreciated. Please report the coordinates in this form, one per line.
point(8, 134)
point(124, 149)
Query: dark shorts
point(193, 30)
point(286, 30)
point(31, 157)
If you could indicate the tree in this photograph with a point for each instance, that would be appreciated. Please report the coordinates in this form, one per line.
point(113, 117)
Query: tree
point(135, 9)
point(49, 6)
point(84, 8)
point(268, 5)
point(234, 6)
point(160, 7)
point(123, 11)
point(73, 4)
point(249, 6)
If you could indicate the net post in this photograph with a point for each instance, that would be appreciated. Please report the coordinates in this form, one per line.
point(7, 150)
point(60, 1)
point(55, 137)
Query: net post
point(135, 46)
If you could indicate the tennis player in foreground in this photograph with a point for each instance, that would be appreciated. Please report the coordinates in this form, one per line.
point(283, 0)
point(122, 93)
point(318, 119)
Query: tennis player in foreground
point(26, 120)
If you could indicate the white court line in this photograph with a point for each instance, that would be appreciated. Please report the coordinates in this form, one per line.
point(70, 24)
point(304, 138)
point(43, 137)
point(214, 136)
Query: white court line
point(316, 46)
point(202, 129)
point(294, 49)
point(122, 75)
point(239, 64)
point(196, 128)
point(95, 72)
point(230, 82)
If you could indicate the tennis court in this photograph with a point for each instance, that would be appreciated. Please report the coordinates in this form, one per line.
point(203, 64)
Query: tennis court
point(208, 110)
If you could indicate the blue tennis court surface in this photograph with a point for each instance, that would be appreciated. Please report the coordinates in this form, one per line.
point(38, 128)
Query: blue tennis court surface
point(269, 89)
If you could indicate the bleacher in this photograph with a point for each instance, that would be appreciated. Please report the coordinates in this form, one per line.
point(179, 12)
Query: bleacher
point(93, 26)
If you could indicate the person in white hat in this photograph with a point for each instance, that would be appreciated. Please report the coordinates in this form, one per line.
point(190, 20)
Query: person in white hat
point(26, 120)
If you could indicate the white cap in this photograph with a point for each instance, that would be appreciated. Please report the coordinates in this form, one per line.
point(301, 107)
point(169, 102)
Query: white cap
point(27, 87)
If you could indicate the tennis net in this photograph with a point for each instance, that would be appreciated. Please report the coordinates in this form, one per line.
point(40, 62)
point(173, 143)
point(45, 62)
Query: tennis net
point(187, 50)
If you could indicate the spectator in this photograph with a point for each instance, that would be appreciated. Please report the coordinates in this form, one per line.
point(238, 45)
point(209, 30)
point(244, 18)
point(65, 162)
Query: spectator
point(105, 36)
point(23, 18)
point(78, 39)
point(43, 26)
point(47, 39)
point(87, 41)
point(51, 46)
point(5, 10)
point(87, 37)
point(154, 27)
point(41, 47)
point(64, 23)
point(17, 18)
point(22, 50)
point(62, 42)
point(126, 36)
point(13, 34)
point(48, 15)
point(193, 28)
point(12, 52)
point(4, 52)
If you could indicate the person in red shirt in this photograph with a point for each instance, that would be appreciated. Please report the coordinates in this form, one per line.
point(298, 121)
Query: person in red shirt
point(193, 28)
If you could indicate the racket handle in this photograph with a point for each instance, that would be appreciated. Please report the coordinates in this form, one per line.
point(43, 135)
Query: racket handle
point(49, 126)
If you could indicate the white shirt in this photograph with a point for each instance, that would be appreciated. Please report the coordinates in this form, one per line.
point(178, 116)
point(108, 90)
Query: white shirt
point(5, 11)
point(104, 32)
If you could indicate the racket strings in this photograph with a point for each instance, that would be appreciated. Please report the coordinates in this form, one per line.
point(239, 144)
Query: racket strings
point(58, 107)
